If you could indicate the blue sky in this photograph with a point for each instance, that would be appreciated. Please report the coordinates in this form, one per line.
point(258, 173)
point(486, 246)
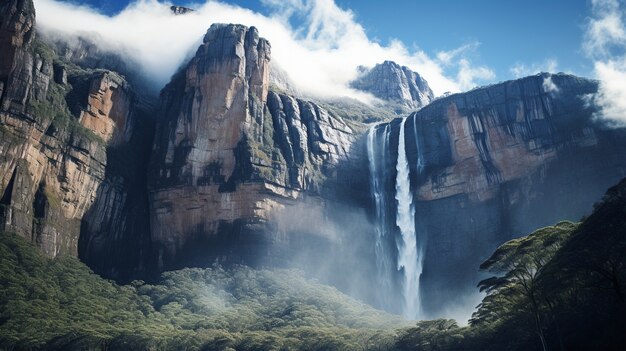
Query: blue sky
point(319, 44)
point(510, 32)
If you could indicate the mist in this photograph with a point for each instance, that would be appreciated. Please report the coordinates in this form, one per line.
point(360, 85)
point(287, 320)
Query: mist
point(320, 55)
point(333, 243)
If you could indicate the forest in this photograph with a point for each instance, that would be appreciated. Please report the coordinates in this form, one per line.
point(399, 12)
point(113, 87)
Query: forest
point(559, 288)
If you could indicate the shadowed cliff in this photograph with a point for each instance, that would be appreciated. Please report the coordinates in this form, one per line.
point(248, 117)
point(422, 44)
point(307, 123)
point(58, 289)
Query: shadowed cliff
point(494, 163)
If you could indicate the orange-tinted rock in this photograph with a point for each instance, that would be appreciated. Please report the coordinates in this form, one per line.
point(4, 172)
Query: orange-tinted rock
point(107, 108)
point(52, 163)
point(229, 152)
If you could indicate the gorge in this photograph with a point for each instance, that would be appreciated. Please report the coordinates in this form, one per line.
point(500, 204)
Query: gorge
point(222, 168)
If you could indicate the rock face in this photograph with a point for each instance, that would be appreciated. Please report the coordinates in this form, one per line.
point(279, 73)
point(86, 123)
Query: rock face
point(33, 204)
point(60, 125)
point(180, 10)
point(17, 32)
point(397, 84)
point(229, 153)
point(496, 163)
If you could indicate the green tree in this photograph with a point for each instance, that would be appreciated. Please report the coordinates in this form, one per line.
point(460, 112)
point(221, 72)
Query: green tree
point(519, 264)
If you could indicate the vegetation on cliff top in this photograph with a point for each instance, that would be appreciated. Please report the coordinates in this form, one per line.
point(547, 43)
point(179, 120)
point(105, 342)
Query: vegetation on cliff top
point(54, 106)
point(356, 114)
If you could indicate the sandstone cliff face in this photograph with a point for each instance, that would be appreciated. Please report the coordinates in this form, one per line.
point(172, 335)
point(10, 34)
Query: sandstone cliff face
point(57, 125)
point(17, 32)
point(471, 143)
point(496, 163)
point(229, 152)
point(397, 84)
point(228, 156)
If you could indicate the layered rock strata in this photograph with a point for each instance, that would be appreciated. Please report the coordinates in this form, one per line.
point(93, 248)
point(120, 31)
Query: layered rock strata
point(60, 124)
point(495, 163)
point(229, 153)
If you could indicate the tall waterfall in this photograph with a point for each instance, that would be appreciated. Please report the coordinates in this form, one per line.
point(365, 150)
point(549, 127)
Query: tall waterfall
point(408, 260)
point(408, 245)
point(377, 148)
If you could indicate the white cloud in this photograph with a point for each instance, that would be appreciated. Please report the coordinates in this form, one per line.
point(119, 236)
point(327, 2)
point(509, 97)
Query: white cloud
point(447, 57)
point(320, 55)
point(549, 86)
point(605, 29)
point(605, 43)
point(520, 70)
point(469, 74)
point(611, 96)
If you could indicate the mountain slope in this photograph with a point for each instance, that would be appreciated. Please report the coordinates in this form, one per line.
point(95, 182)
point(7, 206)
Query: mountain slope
point(404, 89)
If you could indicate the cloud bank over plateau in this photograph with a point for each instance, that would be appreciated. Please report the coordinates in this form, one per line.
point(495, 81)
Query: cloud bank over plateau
point(321, 54)
point(605, 44)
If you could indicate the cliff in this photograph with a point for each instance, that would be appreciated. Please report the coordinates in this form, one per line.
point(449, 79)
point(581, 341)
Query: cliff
point(491, 164)
point(229, 154)
point(60, 124)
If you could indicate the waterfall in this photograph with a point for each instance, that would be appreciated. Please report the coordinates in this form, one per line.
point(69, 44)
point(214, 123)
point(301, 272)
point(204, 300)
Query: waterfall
point(409, 255)
point(376, 153)
point(409, 262)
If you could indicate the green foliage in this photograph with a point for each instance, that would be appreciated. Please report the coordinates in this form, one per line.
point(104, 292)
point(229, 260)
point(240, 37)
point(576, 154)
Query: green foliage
point(561, 286)
point(438, 334)
point(44, 51)
point(515, 293)
point(520, 262)
point(59, 300)
point(356, 113)
point(60, 303)
point(53, 108)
